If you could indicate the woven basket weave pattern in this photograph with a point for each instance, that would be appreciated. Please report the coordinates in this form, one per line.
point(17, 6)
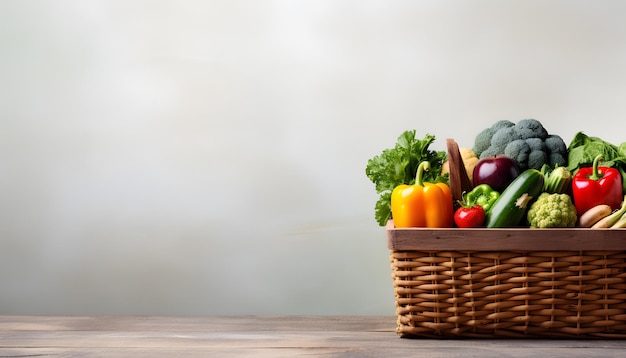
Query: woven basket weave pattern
point(510, 294)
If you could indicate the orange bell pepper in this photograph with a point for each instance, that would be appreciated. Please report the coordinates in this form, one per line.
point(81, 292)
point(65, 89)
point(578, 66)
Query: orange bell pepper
point(422, 204)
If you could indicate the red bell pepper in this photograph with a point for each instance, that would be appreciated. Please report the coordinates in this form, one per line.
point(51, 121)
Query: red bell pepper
point(595, 185)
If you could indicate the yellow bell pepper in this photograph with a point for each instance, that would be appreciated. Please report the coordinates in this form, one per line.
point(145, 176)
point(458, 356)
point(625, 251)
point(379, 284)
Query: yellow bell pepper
point(422, 204)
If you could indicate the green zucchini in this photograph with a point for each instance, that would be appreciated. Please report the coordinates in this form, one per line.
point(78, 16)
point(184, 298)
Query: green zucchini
point(513, 203)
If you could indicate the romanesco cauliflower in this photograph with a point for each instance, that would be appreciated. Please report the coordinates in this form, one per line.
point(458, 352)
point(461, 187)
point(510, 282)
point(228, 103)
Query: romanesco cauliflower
point(552, 210)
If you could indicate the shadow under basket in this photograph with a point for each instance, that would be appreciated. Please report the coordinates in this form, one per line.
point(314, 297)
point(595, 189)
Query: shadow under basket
point(509, 283)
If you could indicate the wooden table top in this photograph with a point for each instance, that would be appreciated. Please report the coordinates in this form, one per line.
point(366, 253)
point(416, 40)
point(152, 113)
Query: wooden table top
point(259, 336)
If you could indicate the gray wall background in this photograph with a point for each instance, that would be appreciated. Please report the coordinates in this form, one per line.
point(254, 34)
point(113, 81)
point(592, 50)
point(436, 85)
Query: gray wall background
point(207, 157)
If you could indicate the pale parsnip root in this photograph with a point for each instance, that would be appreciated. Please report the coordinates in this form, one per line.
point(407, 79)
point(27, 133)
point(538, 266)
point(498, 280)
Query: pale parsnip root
point(610, 220)
point(593, 215)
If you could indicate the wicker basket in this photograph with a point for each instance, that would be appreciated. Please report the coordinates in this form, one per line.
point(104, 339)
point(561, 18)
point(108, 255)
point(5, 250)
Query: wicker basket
point(505, 283)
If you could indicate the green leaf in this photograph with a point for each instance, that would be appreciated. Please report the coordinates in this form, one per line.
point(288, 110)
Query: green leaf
point(622, 149)
point(383, 209)
point(406, 139)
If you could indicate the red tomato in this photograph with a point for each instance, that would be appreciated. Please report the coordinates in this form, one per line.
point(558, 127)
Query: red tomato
point(473, 216)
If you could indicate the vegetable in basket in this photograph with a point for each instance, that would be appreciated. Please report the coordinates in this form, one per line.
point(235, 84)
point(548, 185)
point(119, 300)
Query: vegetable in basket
point(583, 149)
point(620, 224)
point(422, 204)
point(557, 180)
point(596, 185)
point(621, 221)
point(552, 210)
point(593, 215)
point(469, 162)
point(398, 165)
point(513, 203)
point(498, 171)
point(469, 216)
point(482, 195)
point(472, 210)
point(613, 219)
point(526, 141)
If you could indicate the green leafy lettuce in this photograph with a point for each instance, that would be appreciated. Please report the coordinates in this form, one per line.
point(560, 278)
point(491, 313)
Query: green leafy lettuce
point(398, 165)
point(583, 149)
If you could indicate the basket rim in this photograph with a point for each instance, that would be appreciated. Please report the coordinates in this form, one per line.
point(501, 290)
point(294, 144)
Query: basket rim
point(514, 239)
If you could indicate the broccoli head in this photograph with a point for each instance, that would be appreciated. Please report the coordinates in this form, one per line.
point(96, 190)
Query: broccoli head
point(530, 128)
point(552, 210)
point(526, 141)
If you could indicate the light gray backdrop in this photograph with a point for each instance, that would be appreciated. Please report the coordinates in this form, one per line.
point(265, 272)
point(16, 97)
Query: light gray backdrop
point(207, 157)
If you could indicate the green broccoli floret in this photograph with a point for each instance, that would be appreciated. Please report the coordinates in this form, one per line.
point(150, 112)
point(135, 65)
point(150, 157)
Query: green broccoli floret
point(557, 149)
point(556, 159)
point(490, 152)
point(518, 150)
point(501, 138)
point(536, 144)
point(503, 123)
point(530, 128)
point(552, 210)
point(505, 138)
point(555, 144)
point(483, 139)
point(537, 158)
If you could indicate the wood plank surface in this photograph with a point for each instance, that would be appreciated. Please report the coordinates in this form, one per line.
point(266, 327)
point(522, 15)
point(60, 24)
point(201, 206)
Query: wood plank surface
point(259, 336)
point(515, 239)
